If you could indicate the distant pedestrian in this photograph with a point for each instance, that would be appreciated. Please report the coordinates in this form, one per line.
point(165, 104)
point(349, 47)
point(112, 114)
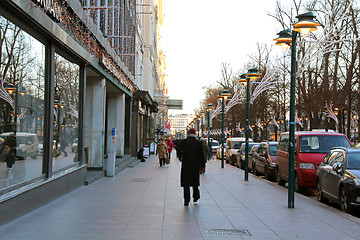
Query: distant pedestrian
point(192, 156)
point(170, 146)
point(9, 151)
point(176, 146)
point(140, 155)
point(206, 152)
point(63, 145)
point(211, 151)
point(161, 150)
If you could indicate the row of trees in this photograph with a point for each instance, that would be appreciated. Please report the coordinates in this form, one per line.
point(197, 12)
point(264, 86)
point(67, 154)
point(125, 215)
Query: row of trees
point(328, 68)
point(22, 66)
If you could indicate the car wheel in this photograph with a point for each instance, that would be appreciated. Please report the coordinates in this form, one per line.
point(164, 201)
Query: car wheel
point(320, 196)
point(344, 201)
point(279, 179)
point(237, 163)
point(297, 185)
point(256, 173)
point(266, 173)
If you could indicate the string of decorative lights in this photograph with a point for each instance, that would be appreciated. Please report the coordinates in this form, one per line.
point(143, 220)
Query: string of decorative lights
point(81, 19)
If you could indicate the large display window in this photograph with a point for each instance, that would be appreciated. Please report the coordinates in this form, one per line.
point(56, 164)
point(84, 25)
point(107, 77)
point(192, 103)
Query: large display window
point(66, 120)
point(22, 71)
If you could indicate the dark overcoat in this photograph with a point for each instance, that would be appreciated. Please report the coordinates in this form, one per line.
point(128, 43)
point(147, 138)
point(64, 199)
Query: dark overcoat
point(192, 157)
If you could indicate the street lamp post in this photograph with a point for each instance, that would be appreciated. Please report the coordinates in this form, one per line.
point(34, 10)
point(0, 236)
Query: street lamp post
point(209, 107)
point(252, 75)
point(198, 125)
point(202, 114)
point(305, 24)
point(223, 96)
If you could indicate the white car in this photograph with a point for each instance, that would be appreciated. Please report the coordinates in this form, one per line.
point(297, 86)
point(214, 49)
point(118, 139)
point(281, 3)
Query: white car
point(232, 146)
point(26, 143)
point(214, 146)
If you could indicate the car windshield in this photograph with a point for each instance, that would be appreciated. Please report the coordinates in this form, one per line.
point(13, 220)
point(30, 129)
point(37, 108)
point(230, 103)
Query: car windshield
point(20, 139)
point(321, 143)
point(353, 161)
point(236, 145)
point(272, 150)
point(214, 143)
point(252, 144)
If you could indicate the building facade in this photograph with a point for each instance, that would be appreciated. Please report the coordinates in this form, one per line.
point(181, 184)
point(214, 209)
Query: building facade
point(179, 122)
point(70, 84)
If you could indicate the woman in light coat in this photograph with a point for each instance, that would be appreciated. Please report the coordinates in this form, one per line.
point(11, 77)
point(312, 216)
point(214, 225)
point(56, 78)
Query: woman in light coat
point(161, 150)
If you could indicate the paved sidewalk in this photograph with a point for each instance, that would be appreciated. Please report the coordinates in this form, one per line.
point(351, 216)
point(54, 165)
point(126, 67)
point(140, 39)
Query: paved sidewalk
point(145, 202)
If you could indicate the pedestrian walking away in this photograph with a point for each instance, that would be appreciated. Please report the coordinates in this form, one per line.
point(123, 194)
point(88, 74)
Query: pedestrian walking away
point(206, 153)
point(170, 146)
point(192, 163)
point(161, 151)
point(176, 145)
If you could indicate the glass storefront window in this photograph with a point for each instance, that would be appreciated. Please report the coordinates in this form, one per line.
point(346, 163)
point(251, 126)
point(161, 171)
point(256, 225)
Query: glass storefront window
point(66, 119)
point(21, 105)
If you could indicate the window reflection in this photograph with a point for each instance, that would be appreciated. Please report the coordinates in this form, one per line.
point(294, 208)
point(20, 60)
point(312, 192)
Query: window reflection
point(21, 105)
point(66, 104)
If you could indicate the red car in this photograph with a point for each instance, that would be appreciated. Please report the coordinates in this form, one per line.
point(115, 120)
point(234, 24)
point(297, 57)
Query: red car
point(310, 149)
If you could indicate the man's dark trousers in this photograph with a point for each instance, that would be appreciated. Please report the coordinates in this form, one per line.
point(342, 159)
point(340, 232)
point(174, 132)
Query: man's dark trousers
point(196, 194)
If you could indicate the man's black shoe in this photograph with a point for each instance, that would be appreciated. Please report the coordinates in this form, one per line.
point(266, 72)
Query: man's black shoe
point(196, 199)
point(186, 204)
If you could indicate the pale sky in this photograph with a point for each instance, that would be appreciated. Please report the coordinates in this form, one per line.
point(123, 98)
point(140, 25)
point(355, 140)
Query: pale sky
point(198, 35)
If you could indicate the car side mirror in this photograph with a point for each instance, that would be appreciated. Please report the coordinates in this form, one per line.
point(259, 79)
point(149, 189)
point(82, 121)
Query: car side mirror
point(335, 167)
point(338, 168)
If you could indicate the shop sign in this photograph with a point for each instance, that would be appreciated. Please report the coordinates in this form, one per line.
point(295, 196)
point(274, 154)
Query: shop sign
point(51, 7)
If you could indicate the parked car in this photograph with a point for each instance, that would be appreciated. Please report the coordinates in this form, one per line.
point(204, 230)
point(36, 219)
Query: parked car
point(214, 145)
point(338, 178)
point(310, 149)
point(232, 145)
point(74, 145)
point(264, 160)
point(26, 144)
point(240, 157)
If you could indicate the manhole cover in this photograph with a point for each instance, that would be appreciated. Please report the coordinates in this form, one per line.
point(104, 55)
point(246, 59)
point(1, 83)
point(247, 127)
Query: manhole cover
point(140, 180)
point(231, 232)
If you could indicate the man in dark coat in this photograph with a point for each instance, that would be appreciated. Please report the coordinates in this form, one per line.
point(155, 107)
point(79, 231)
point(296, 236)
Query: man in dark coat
point(192, 157)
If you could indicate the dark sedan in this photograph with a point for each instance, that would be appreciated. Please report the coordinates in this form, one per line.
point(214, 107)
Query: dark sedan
point(265, 160)
point(337, 178)
point(240, 158)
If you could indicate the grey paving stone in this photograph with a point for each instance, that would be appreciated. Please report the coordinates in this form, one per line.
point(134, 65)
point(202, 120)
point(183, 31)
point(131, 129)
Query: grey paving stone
point(146, 202)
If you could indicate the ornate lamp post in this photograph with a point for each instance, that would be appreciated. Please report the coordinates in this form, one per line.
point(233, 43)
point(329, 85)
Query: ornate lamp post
point(305, 24)
point(16, 90)
point(202, 114)
point(209, 107)
point(223, 96)
point(245, 79)
point(198, 125)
